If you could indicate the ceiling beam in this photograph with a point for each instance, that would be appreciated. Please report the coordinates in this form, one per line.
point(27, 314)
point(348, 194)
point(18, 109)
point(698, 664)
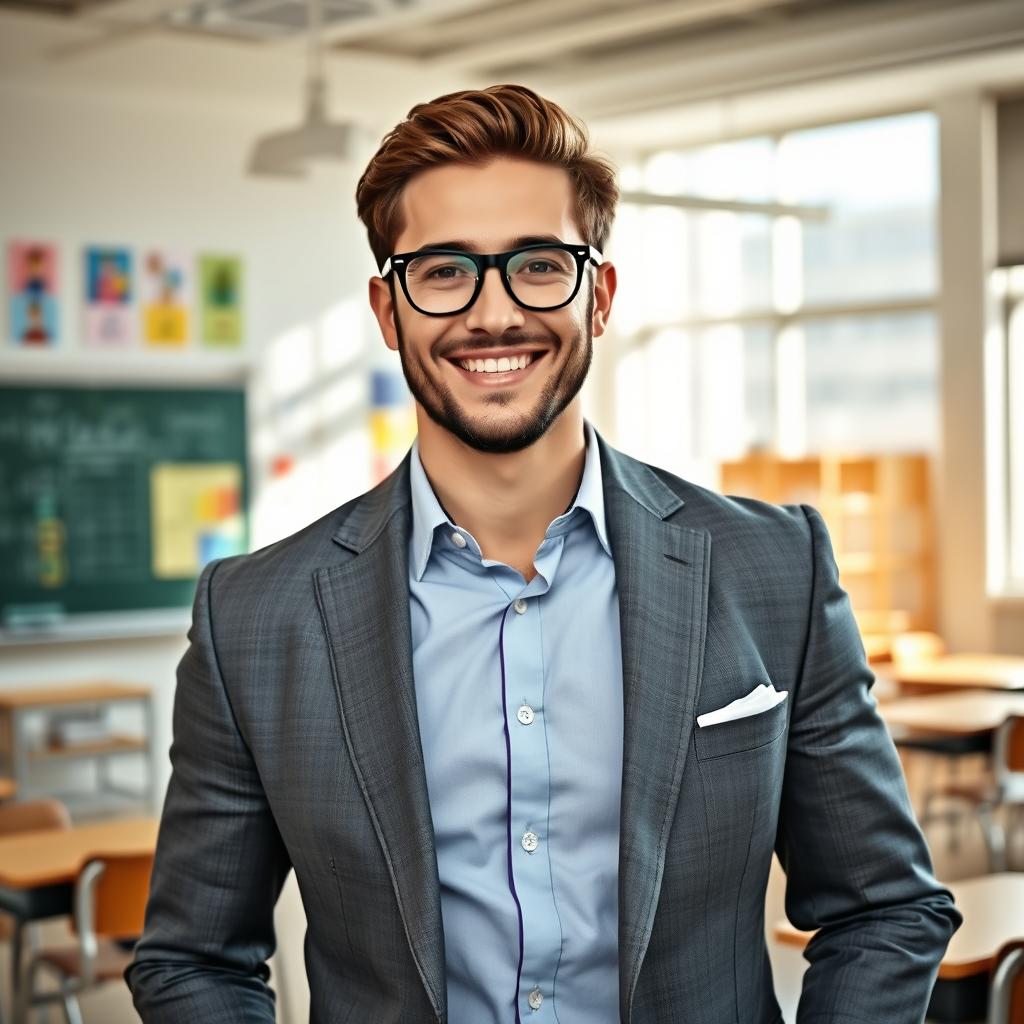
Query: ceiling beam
point(840, 43)
point(514, 44)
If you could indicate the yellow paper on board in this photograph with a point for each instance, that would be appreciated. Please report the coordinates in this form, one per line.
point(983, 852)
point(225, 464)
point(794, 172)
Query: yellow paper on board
point(196, 515)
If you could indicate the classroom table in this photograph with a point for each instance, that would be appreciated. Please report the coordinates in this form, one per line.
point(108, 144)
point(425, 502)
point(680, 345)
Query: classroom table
point(38, 870)
point(964, 713)
point(993, 909)
point(959, 672)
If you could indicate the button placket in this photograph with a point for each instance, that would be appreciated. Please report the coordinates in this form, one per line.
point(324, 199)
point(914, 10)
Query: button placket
point(530, 789)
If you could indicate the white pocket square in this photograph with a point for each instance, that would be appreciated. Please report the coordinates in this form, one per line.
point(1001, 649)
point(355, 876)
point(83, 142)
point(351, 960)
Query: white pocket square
point(761, 698)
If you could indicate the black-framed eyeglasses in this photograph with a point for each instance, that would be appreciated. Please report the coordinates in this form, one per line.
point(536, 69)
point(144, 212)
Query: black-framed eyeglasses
point(539, 277)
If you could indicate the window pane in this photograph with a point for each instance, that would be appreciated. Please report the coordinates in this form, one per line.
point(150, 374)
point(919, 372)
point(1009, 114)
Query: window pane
point(732, 269)
point(879, 179)
point(872, 383)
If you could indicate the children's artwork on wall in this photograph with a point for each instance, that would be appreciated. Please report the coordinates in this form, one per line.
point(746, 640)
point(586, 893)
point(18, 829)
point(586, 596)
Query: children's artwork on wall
point(108, 297)
point(32, 283)
point(220, 282)
point(165, 289)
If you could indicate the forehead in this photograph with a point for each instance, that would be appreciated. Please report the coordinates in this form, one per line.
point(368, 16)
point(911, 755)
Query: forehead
point(488, 204)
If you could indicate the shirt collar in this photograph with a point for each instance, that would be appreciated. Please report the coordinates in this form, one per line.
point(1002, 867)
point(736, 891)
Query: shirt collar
point(427, 513)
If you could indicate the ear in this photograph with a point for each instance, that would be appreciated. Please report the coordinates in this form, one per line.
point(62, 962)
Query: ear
point(604, 291)
point(382, 302)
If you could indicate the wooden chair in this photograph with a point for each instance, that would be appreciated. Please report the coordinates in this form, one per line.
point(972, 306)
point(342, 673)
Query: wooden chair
point(26, 816)
point(109, 909)
point(1006, 992)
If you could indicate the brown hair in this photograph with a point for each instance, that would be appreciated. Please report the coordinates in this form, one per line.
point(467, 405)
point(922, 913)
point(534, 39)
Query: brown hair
point(472, 127)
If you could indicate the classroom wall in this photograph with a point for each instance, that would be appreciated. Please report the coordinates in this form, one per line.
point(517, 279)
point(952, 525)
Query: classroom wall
point(99, 167)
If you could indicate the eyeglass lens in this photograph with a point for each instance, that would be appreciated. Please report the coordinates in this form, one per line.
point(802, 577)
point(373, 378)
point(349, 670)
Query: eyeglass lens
point(445, 282)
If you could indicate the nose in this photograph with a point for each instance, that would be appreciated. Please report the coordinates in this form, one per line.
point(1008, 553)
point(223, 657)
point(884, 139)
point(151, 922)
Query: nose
point(494, 310)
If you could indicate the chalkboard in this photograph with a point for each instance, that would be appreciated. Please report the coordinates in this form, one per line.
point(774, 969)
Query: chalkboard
point(112, 499)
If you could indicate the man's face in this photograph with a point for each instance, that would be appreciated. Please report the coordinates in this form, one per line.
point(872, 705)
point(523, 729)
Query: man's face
point(491, 209)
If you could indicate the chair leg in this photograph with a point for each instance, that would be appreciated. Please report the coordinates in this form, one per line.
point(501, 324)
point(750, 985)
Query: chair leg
point(21, 977)
point(995, 839)
point(72, 1010)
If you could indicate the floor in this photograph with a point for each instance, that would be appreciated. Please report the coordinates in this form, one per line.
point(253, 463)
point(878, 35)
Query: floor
point(112, 1005)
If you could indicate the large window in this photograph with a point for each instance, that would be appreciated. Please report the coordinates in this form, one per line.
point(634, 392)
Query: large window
point(782, 297)
point(1005, 441)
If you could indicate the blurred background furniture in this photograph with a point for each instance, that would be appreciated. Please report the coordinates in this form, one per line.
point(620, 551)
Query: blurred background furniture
point(1006, 998)
point(878, 509)
point(1001, 789)
point(16, 907)
point(109, 910)
point(39, 868)
point(955, 725)
point(19, 753)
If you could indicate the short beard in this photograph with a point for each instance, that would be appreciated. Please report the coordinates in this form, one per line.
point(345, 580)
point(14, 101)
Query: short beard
point(440, 404)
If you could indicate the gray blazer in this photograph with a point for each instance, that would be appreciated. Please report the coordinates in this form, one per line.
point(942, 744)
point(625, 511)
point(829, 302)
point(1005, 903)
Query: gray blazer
point(296, 746)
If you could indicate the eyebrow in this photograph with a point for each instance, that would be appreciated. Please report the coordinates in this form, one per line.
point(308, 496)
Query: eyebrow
point(465, 245)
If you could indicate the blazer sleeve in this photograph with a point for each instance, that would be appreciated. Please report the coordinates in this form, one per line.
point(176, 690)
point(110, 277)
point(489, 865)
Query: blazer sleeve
point(220, 862)
point(857, 866)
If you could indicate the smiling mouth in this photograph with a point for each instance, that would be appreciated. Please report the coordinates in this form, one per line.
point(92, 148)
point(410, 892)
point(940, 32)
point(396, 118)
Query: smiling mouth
point(494, 370)
point(503, 364)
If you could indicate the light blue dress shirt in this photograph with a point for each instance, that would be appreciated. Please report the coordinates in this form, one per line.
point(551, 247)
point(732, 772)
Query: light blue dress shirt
point(519, 697)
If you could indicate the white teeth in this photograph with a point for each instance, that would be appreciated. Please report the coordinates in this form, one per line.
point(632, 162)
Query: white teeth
point(502, 365)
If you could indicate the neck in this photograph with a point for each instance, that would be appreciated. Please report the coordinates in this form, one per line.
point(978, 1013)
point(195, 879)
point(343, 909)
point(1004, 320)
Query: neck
point(507, 501)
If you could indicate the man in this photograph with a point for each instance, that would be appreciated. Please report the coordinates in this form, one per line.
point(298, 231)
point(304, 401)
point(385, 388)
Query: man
point(468, 707)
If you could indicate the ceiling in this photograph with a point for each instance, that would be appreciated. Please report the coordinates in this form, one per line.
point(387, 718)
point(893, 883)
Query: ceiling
point(628, 67)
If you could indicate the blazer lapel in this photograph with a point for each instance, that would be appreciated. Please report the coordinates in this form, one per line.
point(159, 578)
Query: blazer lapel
point(662, 572)
point(364, 604)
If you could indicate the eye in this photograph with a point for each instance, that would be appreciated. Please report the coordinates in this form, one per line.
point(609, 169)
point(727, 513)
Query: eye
point(447, 270)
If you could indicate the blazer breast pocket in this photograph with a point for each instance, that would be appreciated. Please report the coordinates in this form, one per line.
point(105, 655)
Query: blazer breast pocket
point(741, 733)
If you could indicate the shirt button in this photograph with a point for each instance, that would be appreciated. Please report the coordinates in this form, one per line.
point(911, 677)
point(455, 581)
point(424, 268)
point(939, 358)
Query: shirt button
point(458, 540)
point(525, 714)
point(520, 605)
point(529, 842)
point(535, 998)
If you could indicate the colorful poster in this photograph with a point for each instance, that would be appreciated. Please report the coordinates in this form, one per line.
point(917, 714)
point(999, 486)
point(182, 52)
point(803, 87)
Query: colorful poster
point(220, 281)
point(108, 297)
point(32, 283)
point(165, 289)
point(196, 515)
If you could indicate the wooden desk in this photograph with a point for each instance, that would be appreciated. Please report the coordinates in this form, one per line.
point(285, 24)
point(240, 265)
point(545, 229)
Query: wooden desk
point(960, 672)
point(993, 909)
point(30, 860)
point(969, 713)
point(38, 870)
